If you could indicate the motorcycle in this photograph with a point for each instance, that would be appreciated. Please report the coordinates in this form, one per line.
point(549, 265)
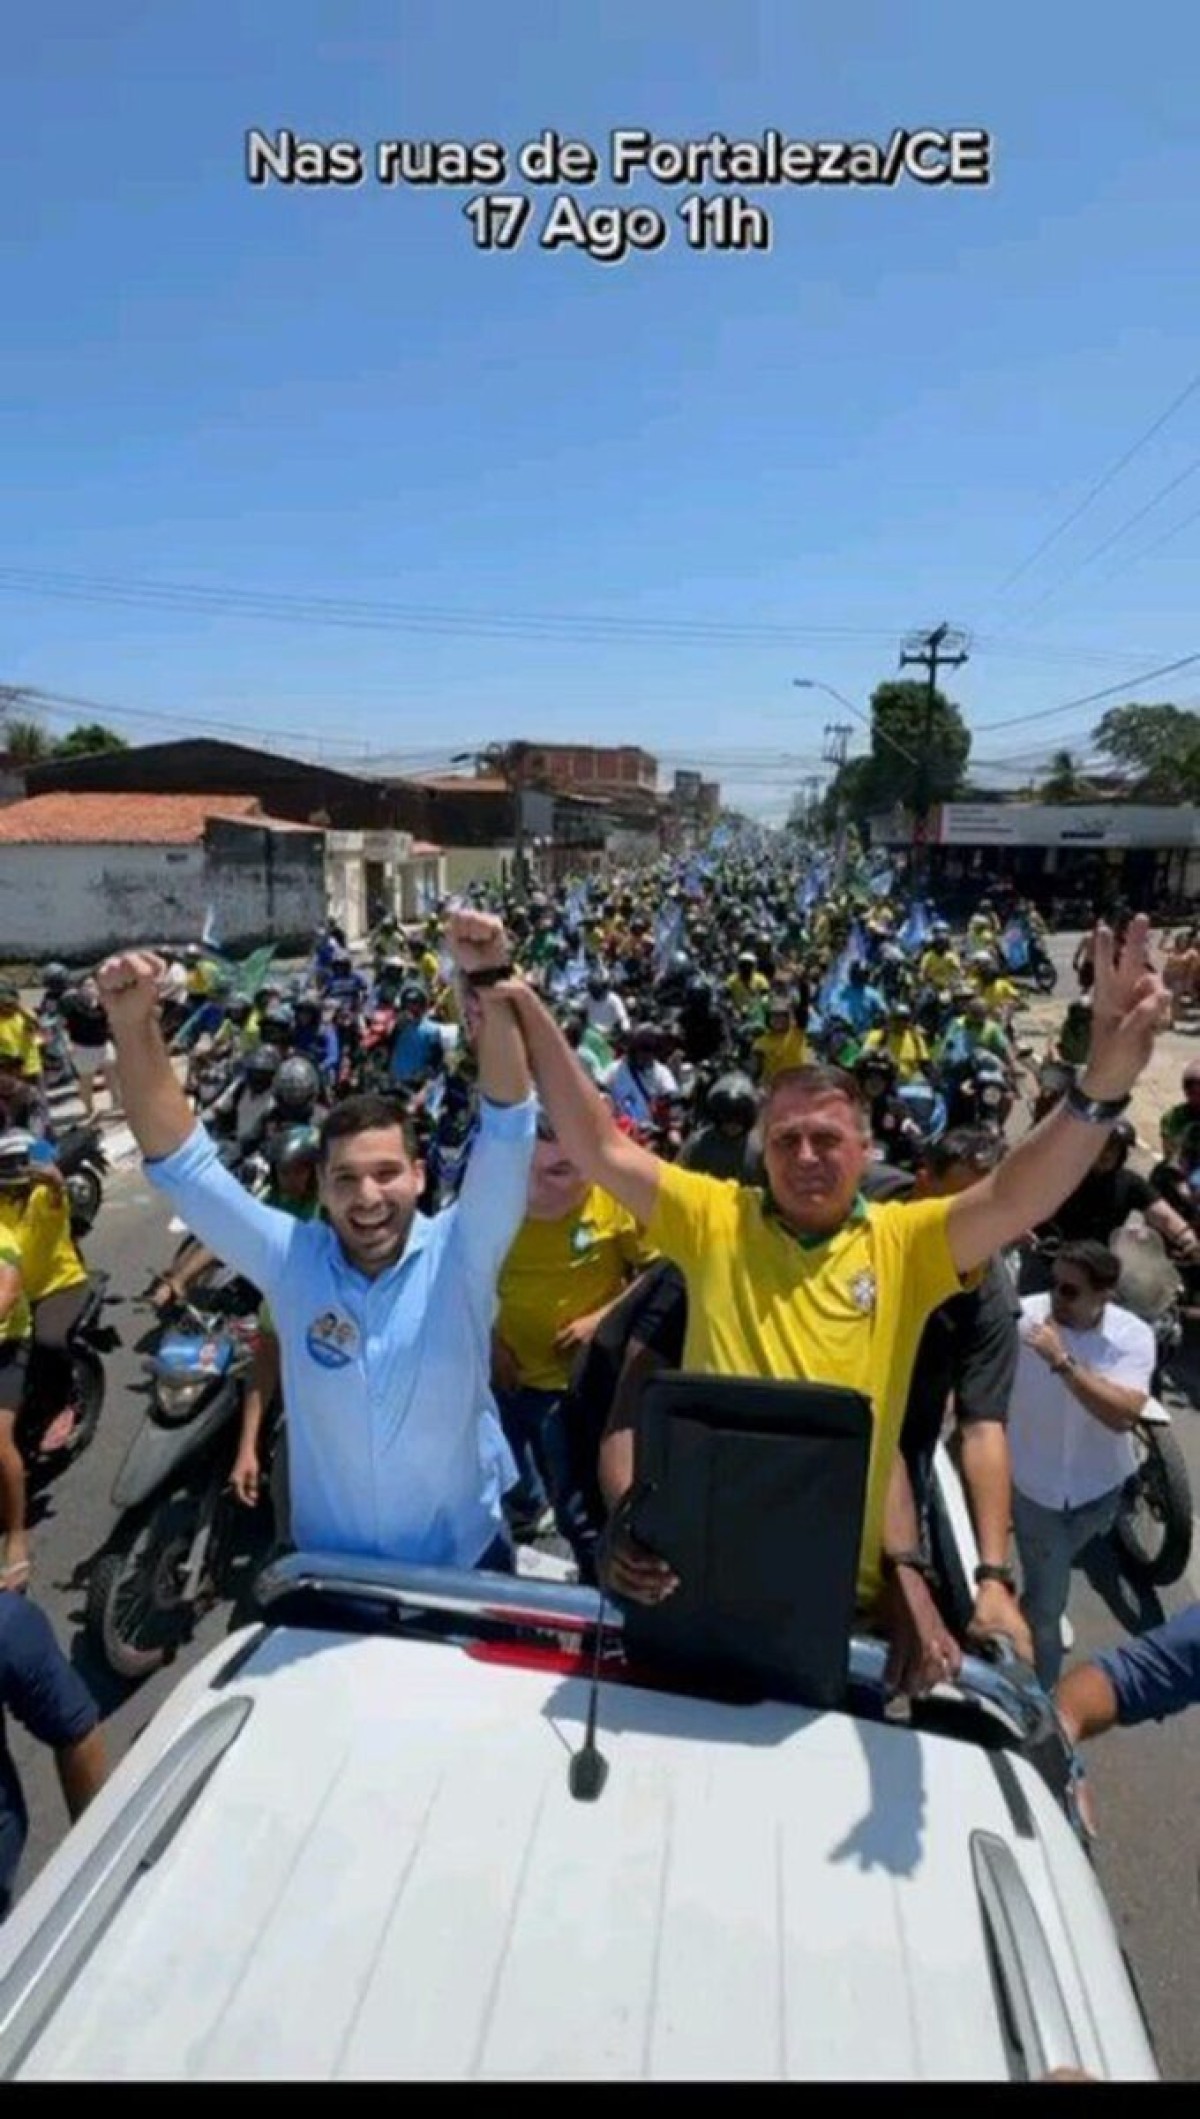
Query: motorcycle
point(89, 1340)
point(1025, 960)
point(80, 1156)
point(167, 1560)
point(978, 1093)
point(1154, 1527)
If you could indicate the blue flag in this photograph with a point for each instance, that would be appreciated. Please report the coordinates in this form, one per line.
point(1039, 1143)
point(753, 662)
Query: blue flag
point(917, 929)
point(668, 931)
point(1014, 944)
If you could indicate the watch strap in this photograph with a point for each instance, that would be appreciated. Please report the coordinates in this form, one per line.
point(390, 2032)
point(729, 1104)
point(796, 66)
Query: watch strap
point(991, 1571)
point(1094, 1110)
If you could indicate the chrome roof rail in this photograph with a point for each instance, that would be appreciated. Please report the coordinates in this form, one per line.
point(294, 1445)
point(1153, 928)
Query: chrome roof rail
point(35, 1983)
point(1023, 1960)
point(1006, 1689)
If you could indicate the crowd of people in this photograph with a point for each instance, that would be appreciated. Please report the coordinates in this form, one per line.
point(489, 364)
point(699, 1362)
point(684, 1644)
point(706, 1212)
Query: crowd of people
point(737, 1114)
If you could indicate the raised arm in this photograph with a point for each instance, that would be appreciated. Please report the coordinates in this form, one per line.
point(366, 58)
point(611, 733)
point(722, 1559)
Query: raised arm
point(160, 1117)
point(1045, 1168)
point(581, 1117)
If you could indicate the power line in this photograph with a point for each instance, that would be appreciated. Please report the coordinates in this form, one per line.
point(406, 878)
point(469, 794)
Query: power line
point(1047, 713)
point(590, 628)
point(1100, 486)
point(1106, 543)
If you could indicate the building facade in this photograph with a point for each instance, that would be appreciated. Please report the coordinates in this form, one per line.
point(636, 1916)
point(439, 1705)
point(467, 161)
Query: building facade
point(590, 768)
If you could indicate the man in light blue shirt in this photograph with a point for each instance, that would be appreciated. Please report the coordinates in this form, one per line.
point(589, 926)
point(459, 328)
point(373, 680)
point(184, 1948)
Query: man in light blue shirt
point(383, 1316)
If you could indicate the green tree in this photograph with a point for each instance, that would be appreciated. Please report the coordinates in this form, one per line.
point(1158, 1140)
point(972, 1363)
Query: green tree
point(25, 741)
point(1063, 782)
point(86, 738)
point(918, 754)
point(1157, 746)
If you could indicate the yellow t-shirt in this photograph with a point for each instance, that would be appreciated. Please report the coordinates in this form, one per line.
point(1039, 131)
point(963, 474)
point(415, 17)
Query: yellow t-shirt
point(19, 1041)
point(940, 969)
point(744, 993)
point(850, 1310)
point(40, 1227)
point(18, 1324)
point(999, 993)
point(781, 1049)
point(557, 1271)
point(429, 969)
point(907, 1047)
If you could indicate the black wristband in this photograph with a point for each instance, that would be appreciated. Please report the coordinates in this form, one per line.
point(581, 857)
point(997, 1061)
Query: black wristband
point(988, 1571)
point(490, 976)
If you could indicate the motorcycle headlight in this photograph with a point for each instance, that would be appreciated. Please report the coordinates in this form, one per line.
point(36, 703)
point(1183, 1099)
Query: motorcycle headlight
point(177, 1398)
point(991, 1094)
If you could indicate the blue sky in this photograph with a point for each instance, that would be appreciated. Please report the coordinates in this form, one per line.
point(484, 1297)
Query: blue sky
point(623, 502)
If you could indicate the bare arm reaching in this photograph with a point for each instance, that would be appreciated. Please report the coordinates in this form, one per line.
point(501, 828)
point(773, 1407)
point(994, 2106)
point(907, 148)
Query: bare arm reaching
point(159, 1114)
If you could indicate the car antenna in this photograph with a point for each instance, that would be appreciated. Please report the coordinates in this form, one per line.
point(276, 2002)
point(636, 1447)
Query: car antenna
point(588, 1770)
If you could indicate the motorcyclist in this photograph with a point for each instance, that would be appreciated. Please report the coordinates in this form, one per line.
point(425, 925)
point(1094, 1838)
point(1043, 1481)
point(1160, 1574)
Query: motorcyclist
point(605, 1010)
point(893, 1127)
point(575, 1030)
point(725, 1144)
point(859, 1003)
point(783, 1043)
point(983, 928)
point(903, 1042)
point(239, 1112)
point(640, 1081)
point(418, 1048)
point(748, 988)
point(702, 1029)
point(939, 967)
point(315, 1039)
point(973, 1031)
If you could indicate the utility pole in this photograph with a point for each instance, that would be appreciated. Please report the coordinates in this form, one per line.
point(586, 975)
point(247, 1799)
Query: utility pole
point(943, 648)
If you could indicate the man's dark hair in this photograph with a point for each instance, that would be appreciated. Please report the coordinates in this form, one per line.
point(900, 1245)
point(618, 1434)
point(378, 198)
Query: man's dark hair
point(370, 1113)
point(816, 1079)
point(971, 1147)
point(1094, 1260)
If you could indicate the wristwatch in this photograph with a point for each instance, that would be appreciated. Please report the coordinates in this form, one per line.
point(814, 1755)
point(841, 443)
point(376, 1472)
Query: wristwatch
point(989, 1571)
point(491, 975)
point(1094, 1110)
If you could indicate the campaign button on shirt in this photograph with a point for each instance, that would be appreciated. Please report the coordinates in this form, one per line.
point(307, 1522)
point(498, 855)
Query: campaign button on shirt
point(332, 1340)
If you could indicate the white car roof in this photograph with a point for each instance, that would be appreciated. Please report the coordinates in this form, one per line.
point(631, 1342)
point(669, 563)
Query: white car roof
point(384, 1876)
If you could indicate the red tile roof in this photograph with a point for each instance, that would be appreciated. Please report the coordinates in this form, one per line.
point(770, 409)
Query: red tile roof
point(423, 848)
point(126, 820)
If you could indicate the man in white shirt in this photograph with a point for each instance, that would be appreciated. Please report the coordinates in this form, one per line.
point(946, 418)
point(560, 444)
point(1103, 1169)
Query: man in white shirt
point(1083, 1378)
point(606, 1011)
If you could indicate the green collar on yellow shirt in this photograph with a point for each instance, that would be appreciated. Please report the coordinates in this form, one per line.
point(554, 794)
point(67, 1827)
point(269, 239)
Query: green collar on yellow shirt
point(771, 1212)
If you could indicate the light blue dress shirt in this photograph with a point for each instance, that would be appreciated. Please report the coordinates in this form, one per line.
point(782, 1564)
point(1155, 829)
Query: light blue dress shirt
point(394, 1444)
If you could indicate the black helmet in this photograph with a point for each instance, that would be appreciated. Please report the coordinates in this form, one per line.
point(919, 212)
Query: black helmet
point(262, 1065)
point(746, 957)
point(56, 978)
point(309, 1008)
point(300, 1144)
point(297, 1085)
point(598, 983)
point(876, 1061)
point(733, 1101)
point(239, 1008)
point(277, 1024)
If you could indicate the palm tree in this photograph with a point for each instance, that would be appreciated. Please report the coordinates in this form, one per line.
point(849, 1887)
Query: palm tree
point(25, 741)
point(1063, 782)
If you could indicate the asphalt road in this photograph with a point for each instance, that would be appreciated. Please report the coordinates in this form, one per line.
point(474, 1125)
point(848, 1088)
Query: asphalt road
point(1145, 1780)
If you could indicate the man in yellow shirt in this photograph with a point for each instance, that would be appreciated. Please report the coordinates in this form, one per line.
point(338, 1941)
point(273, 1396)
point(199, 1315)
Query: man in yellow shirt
point(804, 1279)
point(747, 988)
point(903, 1042)
point(573, 1258)
point(20, 1041)
point(35, 1214)
point(939, 966)
point(16, 1326)
point(782, 1044)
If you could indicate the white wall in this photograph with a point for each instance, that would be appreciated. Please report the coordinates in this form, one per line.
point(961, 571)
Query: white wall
point(475, 864)
point(81, 901)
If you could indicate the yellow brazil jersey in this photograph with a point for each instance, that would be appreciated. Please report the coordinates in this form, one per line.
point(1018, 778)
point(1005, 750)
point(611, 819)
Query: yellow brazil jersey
point(850, 1309)
point(907, 1047)
point(429, 969)
point(40, 1226)
point(559, 1270)
point(18, 1324)
point(940, 969)
point(781, 1049)
point(20, 1042)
